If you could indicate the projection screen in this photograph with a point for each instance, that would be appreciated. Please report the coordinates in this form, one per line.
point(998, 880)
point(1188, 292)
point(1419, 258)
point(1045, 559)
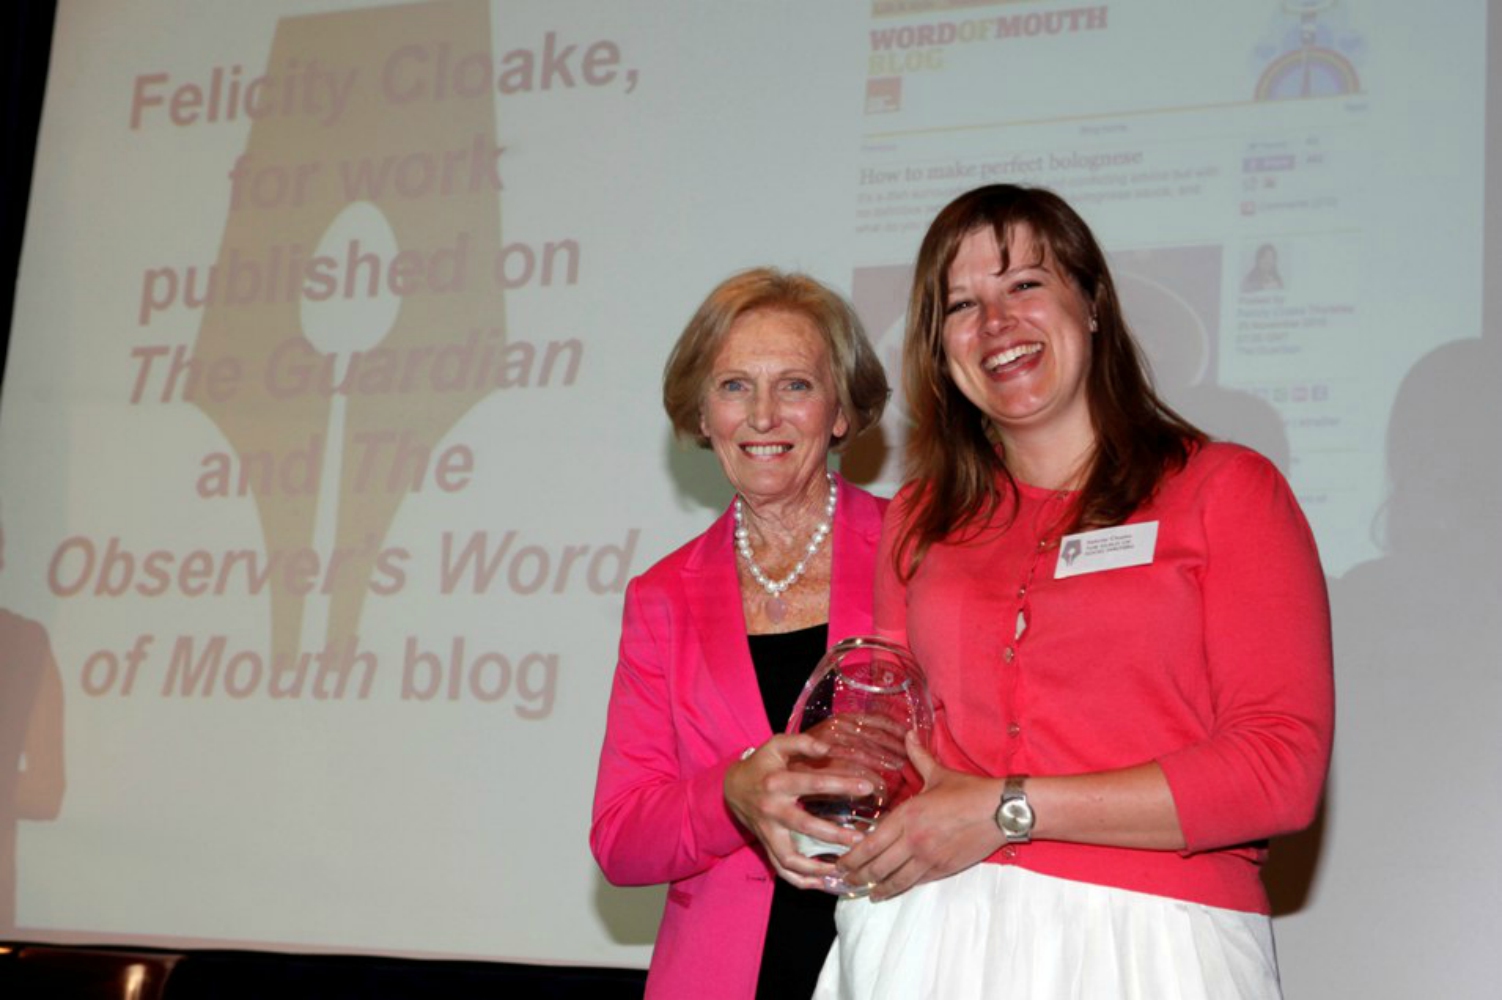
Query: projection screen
point(331, 429)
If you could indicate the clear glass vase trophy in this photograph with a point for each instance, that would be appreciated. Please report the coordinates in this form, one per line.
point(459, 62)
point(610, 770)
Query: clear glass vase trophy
point(862, 699)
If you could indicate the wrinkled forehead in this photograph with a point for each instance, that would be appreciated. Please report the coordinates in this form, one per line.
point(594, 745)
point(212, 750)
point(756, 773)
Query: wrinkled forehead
point(772, 333)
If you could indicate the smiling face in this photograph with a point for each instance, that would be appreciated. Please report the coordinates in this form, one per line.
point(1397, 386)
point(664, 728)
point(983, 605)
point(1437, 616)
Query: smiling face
point(771, 408)
point(1017, 341)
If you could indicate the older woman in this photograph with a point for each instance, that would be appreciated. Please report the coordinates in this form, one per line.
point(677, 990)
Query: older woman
point(1126, 632)
point(771, 373)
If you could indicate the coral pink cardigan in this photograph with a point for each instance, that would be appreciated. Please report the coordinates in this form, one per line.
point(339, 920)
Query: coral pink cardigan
point(1213, 660)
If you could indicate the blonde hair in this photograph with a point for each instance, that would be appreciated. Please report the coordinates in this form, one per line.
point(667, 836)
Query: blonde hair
point(860, 381)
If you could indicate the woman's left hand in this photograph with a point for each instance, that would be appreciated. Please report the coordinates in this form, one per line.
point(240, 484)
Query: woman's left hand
point(944, 829)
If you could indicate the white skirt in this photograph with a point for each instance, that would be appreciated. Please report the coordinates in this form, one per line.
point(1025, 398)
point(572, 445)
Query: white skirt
point(999, 931)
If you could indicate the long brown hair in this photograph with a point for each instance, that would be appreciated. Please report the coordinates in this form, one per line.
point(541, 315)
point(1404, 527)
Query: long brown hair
point(952, 459)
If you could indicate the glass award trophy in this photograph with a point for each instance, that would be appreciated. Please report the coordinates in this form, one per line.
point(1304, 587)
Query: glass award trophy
point(862, 699)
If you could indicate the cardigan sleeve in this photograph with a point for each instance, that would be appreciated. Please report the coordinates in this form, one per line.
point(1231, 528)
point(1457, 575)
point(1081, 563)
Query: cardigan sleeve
point(654, 820)
point(1260, 771)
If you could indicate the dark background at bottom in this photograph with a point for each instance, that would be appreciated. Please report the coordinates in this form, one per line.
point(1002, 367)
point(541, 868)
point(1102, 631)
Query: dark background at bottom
point(35, 972)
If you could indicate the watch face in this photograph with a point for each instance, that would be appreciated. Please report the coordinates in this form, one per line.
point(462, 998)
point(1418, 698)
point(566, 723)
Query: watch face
point(1015, 817)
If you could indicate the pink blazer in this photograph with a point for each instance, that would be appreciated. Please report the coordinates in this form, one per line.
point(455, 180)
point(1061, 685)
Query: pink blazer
point(685, 704)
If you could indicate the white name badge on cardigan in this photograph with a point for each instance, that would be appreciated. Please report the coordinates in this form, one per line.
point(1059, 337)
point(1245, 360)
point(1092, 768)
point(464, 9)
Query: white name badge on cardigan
point(1106, 548)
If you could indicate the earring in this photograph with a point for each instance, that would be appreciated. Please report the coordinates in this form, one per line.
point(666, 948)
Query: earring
point(1093, 325)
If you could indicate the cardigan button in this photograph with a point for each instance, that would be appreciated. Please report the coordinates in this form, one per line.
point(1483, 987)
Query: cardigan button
point(1009, 654)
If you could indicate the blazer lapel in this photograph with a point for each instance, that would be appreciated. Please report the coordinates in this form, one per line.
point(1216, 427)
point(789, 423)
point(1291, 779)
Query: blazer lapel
point(713, 595)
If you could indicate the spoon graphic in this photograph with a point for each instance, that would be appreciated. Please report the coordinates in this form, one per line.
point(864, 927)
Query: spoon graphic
point(340, 327)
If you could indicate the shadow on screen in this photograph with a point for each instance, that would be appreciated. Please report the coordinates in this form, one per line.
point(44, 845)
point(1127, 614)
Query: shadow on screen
point(1416, 637)
point(31, 741)
point(630, 915)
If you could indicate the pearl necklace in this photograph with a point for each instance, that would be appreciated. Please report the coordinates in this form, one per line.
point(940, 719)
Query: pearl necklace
point(774, 605)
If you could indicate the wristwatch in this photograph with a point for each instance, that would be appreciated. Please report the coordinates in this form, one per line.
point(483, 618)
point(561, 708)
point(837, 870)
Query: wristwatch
point(1014, 816)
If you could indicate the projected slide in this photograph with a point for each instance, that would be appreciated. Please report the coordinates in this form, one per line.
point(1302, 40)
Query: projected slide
point(331, 429)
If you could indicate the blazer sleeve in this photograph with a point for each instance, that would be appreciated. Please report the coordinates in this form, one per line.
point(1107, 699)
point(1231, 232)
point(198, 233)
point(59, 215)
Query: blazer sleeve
point(655, 818)
point(1261, 770)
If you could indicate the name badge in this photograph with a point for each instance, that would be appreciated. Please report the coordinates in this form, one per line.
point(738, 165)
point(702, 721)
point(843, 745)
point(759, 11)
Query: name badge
point(1106, 548)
